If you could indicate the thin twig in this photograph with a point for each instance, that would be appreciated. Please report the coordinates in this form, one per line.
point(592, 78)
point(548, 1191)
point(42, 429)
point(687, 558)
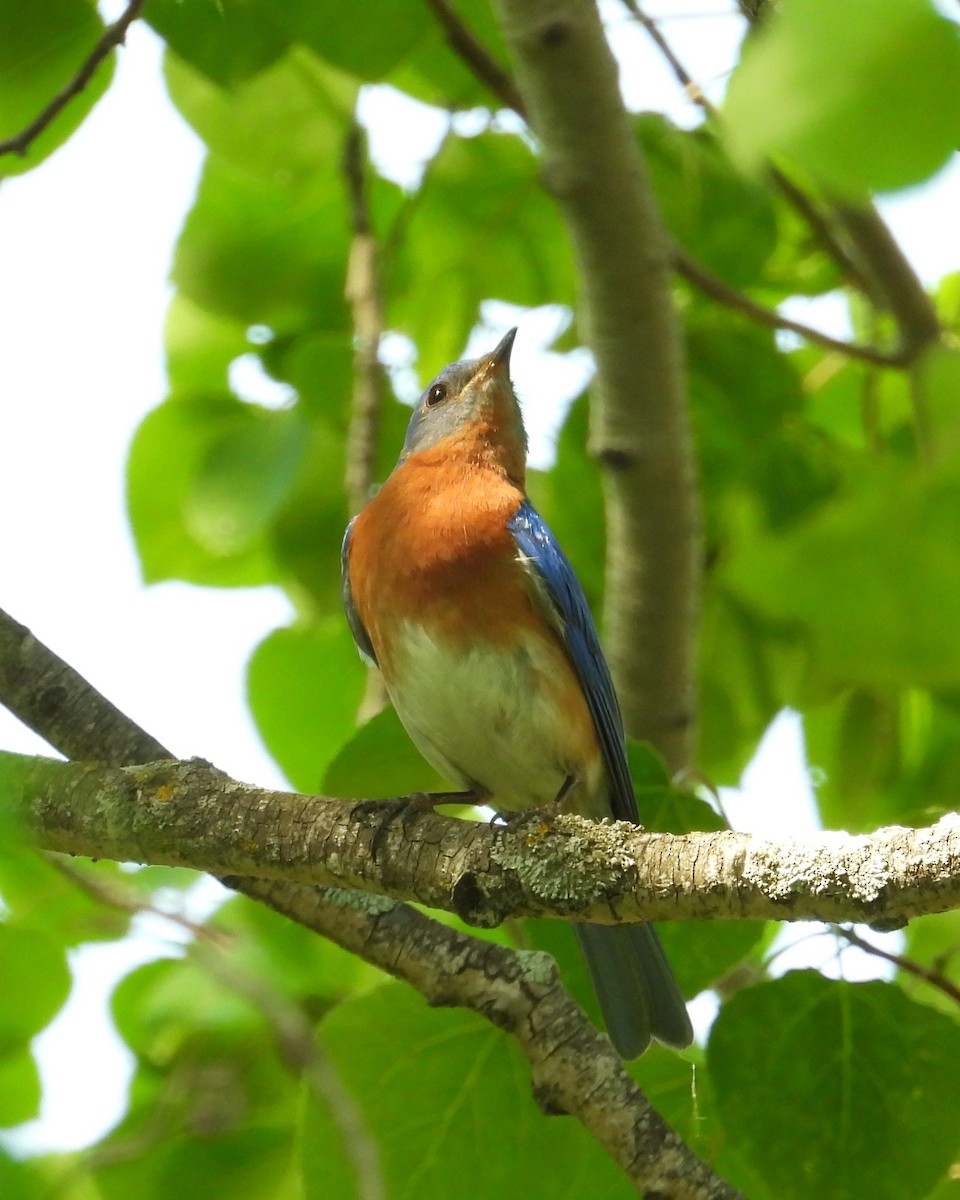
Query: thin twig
point(112, 36)
point(127, 900)
point(476, 56)
point(363, 295)
point(711, 285)
point(804, 205)
point(909, 965)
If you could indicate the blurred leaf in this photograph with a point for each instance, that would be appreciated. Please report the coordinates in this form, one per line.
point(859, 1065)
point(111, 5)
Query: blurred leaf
point(164, 1007)
point(262, 254)
point(245, 475)
point(873, 580)
point(884, 757)
point(19, 1090)
point(228, 40)
point(378, 36)
point(389, 1046)
point(285, 128)
point(579, 527)
point(725, 221)
point(481, 227)
point(860, 94)
point(37, 59)
point(40, 897)
point(937, 384)
point(36, 982)
point(168, 453)
point(751, 666)
point(255, 1162)
point(310, 969)
point(305, 684)
point(934, 942)
point(18, 1180)
point(380, 761)
point(849, 1091)
point(746, 401)
point(200, 346)
point(435, 73)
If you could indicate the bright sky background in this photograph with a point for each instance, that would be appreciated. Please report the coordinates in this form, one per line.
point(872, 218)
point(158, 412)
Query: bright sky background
point(85, 247)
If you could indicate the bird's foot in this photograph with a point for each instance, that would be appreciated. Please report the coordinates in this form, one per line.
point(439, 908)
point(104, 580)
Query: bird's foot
point(406, 808)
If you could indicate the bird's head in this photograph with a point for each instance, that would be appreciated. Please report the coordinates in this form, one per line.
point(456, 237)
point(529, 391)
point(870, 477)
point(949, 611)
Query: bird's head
point(472, 404)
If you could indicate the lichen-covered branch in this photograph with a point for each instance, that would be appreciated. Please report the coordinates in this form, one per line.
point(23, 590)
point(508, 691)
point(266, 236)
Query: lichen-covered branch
point(574, 1069)
point(188, 814)
point(592, 165)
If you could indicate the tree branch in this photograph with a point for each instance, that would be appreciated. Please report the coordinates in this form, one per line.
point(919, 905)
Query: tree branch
point(804, 205)
point(464, 42)
point(640, 430)
point(188, 814)
point(574, 1069)
point(363, 295)
point(935, 979)
point(112, 37)
point(713, 286)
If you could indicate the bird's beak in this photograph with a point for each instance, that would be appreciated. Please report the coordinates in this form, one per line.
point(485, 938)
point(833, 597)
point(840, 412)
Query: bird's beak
point(500, 358)
point(496, 364)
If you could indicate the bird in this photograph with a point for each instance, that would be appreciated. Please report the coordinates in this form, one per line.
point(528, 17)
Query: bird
point(456, 589)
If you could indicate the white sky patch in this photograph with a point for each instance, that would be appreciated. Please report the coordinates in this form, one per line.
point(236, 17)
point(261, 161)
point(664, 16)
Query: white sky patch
point(249, 380)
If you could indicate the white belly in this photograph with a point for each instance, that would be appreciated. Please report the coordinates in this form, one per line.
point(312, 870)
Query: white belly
point(486, 718)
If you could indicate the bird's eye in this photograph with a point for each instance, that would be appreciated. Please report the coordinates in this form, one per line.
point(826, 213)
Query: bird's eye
point(437, 393)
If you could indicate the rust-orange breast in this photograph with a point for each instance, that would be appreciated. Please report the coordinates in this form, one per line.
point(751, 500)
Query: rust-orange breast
point(434, 544)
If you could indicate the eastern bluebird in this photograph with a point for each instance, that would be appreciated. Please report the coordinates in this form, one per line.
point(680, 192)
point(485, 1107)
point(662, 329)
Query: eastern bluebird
point(457, 590)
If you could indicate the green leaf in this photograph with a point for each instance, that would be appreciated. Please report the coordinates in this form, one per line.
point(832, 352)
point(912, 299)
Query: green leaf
point(436, 73)
point(36, 982)
point(261, 253)
point(37, 59)
point(305, 684)
point(40, 897)
point(163, 1008)
point(482, 227)
point(579, 527)
point(310, 969)
point(884, 757)
point(390, 1046)
point(169, 451)
point(255, 1162)
point(379, 35)
point(934, 942)
point(228, 40)
point(862, 94)
point(285, 128)
point(837, 1090)
point(200, 346)
point(18, 1180)
point(243, 479)
point(381, 761)
point(725, 221)
point(870, 580)
point(19, 1090)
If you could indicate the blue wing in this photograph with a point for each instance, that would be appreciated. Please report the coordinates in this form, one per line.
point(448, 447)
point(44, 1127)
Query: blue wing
point(570, 615)
point(357, 628)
